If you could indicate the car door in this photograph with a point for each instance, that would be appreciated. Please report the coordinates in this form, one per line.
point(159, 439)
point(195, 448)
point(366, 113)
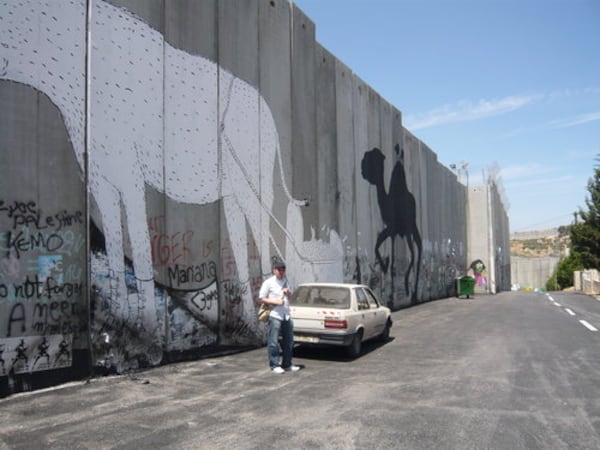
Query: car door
point(378, 315)
point(367, 312)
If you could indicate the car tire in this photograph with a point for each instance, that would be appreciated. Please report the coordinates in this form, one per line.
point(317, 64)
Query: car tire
point(353, 350)
point(385, 335)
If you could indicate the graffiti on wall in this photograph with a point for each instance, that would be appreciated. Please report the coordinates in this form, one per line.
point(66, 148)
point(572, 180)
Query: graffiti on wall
point(399, 214)
point(41, 286)
point(169, 248)
point(479, 272)
point(442, 263)
point(35, 353)
point(164, 120)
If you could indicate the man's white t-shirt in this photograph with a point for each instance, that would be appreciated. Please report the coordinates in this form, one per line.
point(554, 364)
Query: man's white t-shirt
point(272, 288)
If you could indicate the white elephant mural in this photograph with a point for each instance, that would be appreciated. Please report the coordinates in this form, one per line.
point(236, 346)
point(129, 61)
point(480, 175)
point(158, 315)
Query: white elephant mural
point(163, 118)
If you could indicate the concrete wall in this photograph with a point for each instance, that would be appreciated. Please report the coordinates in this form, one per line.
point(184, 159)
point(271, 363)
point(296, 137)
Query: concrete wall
point(587, 281)
point(139, 216)
point(532, 273)
point(488, 240)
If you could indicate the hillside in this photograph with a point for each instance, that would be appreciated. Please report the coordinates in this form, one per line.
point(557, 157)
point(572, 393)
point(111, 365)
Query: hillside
point(540, 243)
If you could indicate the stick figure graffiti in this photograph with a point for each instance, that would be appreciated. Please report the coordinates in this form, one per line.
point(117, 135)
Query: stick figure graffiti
point(63, 351)
point(21, 355)
point(42, 352)
point(2, 359)
point(398, 212)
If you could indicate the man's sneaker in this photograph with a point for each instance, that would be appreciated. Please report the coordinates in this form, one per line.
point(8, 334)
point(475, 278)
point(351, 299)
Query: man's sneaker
point(292, 368)
point(277, 369)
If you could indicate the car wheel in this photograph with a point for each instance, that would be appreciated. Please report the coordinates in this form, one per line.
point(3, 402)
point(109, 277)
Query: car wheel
point(353, 350)
point(385, 335)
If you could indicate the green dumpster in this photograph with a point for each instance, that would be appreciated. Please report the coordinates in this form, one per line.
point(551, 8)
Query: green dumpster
point(465, 286)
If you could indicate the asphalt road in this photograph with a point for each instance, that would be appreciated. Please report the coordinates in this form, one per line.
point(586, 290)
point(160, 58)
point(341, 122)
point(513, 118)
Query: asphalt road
point(510, 371)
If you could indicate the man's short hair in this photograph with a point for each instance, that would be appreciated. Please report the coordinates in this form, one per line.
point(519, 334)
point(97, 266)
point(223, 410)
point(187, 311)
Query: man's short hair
point(278, 265)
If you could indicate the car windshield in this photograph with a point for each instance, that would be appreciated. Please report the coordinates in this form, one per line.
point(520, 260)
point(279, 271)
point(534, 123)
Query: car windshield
point(321, 296)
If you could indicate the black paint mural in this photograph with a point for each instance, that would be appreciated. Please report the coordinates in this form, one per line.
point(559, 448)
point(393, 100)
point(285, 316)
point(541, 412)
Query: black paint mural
point(398, 212)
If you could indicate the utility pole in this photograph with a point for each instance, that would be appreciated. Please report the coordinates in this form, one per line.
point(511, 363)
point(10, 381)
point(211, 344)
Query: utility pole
point(492, 262)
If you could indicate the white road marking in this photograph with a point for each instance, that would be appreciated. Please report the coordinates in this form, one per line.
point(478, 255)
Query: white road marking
point(550, 298)
point(587, 325)
point(556, 304)
point(569, 311)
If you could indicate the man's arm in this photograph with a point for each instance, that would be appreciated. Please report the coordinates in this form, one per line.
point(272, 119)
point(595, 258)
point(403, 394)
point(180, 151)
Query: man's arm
point(271, 301)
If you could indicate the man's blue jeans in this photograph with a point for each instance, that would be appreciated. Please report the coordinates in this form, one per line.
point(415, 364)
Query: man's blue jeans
point(286, 329)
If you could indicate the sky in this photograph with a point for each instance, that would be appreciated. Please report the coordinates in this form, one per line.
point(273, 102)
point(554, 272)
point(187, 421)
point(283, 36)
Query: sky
point(512, 85)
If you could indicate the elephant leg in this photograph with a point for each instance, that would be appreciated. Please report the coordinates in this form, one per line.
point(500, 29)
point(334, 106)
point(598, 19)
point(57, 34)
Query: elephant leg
point(236, 226)
point(259, 221)
point(109, 203)
point(141, 254)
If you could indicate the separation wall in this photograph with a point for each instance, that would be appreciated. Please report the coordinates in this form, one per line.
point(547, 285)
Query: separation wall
point(532, 273)
point(488, 240)
point(139, 216)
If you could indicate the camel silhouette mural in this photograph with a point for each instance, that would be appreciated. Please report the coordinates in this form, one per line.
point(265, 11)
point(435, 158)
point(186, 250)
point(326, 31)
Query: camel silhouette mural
point(398, 212)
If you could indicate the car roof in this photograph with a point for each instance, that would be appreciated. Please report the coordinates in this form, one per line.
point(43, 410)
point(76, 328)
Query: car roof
point(337, 285)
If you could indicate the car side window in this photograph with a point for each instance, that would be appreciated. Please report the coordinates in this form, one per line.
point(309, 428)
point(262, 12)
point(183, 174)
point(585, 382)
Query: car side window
point(373, 303)
point(361, 300)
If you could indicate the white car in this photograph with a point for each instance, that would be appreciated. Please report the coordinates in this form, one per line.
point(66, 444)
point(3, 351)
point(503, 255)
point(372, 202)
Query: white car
point(338, 314)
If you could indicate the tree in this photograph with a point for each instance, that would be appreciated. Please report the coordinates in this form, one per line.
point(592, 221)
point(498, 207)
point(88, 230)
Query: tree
point(585, 235)
point(563, 274)
point(585, 238)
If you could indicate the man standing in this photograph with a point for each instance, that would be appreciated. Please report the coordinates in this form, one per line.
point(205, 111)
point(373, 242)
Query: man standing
point(276, 292)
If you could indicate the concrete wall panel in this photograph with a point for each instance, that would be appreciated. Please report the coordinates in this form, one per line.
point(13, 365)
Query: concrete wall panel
point(242, 164)
point(488, 244)
point(304, 137)
point(238, 38)
point(326, 141)
point(370, 209)
point(185, 237)
point(191, 26)
point(363, 196)
point(346, 168)
point(275, 88)
point(151, 11)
